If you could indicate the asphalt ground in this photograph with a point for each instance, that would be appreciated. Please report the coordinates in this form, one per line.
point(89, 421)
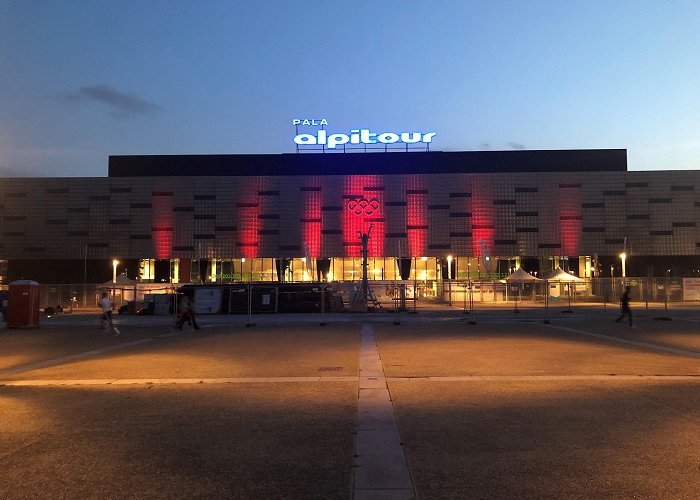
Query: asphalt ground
point(508, 407)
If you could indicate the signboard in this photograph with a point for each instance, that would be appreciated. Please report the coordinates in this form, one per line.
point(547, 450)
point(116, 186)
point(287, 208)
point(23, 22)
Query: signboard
point(691, 289)
point(355, 136)
point(207, 300)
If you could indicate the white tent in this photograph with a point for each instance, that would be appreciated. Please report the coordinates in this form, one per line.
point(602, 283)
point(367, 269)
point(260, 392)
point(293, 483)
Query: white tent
point(517, 282)
point(522, 276)
point(557, 279)
point(122, 280)
point(123, 289)
point(559, 274)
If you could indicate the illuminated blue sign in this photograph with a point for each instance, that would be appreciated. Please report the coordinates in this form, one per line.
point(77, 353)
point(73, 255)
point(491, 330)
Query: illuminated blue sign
point(310, 122)
point(356, 136)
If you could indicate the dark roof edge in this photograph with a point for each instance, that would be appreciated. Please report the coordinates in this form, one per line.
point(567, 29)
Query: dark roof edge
point(433, 162)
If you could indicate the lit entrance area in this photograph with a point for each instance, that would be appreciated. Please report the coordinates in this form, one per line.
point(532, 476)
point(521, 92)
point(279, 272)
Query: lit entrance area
point(349, 269)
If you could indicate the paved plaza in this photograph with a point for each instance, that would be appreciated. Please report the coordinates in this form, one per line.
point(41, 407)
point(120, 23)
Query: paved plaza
point(438, 404)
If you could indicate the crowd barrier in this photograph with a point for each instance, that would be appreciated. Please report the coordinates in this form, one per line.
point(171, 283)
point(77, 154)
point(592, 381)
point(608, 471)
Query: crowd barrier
point(386, 294)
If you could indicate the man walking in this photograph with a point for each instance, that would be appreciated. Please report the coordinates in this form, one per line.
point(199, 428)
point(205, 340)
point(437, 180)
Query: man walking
point(625, 306)
point(186, 314)
point(107, 306)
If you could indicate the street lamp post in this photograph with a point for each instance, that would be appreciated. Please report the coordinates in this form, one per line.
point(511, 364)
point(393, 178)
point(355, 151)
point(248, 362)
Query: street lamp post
point(115, 262)
point(468, 287)
point(612, 280)
point(623, 258)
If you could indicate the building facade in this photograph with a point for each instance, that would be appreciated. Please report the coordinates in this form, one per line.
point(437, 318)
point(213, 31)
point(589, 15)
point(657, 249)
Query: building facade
point(299, 217)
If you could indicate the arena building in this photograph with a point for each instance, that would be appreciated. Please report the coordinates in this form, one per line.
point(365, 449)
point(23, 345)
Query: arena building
point(299, 217)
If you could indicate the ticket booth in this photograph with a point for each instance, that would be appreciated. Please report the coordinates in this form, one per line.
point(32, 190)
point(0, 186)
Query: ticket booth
point(23, 304)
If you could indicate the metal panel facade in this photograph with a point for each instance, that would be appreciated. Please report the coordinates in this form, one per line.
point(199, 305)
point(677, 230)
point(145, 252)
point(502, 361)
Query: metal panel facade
point(507, 214)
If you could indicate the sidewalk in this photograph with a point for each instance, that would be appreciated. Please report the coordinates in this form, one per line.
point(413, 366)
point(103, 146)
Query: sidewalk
point(433, 407)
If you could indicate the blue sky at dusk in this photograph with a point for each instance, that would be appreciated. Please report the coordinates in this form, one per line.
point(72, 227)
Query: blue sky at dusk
point(82, 80)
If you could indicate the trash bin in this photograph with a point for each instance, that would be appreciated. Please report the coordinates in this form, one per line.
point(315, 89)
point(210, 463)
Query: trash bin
point(23, 304)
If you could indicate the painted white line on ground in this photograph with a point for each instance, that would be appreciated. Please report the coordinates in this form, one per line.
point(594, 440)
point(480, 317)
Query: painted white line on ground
point(647, 345)
point(371, 384)
point(381, 469)
point(174, 381)
point(548, 378)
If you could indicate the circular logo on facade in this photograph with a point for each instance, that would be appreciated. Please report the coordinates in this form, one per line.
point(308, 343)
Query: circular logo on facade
point(363, 206)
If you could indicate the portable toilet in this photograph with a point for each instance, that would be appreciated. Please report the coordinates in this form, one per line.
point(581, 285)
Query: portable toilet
point(23, 304)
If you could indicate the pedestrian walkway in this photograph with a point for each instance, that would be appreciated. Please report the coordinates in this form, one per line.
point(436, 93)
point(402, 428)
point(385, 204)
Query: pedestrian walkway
point(381, 470)
point(363, 407)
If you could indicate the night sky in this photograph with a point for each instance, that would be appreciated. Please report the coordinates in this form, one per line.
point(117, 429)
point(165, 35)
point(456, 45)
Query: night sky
point(82, 80)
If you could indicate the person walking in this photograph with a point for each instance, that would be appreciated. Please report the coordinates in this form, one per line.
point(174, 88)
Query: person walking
point(186, 314)
point(625, 306)
point(107, 306)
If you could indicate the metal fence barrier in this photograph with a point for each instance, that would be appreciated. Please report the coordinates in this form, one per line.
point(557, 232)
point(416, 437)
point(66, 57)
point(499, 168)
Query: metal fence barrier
point(266, 297)
point(588, 290)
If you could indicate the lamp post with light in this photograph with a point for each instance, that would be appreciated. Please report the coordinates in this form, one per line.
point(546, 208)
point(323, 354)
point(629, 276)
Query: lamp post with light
point(115, 263)
point(468, 287)
point(623, 258)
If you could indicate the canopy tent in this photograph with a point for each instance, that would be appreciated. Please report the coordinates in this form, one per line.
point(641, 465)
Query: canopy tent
point(559, 274)
point(522, 276)
point(122, 280)
point(123, 289)
point(518, 281)
point(557, 278)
